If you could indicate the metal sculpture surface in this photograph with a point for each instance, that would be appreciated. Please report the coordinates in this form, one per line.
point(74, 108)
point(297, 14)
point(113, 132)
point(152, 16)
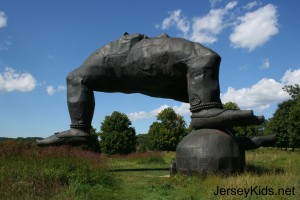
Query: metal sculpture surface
point(162, 67)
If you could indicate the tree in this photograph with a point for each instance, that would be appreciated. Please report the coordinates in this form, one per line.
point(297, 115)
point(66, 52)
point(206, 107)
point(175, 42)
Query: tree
point(167, 131)
point(249, 131)
point(117, 135)
point(279, 122)
point(294, 124)
point(294, 115)
point(285, 122)
point(231, 105)
point(141, 143)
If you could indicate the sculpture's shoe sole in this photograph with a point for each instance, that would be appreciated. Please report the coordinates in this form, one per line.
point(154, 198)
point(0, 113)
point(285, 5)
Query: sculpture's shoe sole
point(72, 137)
point(223, 118)
point(54, 140)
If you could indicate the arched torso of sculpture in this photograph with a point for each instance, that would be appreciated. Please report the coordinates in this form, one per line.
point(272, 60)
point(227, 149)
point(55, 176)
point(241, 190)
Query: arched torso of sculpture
point(156, 67)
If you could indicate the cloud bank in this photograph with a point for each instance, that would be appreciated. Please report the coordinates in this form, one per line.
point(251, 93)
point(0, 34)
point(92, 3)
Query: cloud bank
point(264, 93)
point(10, 81)
point(250, 30)
point(257, 97)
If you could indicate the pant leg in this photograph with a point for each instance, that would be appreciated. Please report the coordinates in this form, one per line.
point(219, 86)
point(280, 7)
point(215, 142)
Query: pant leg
point(203, 82)
point(80, 98)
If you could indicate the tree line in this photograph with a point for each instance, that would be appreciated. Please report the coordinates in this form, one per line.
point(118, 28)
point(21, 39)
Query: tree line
point(117, 136)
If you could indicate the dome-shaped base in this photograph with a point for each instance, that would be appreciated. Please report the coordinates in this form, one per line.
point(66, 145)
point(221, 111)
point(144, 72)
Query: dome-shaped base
point(209, 150)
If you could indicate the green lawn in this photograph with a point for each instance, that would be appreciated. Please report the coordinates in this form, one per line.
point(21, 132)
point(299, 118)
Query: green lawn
point(29, 172)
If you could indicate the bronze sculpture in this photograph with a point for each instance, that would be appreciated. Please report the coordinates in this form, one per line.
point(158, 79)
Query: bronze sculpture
point(161, 66)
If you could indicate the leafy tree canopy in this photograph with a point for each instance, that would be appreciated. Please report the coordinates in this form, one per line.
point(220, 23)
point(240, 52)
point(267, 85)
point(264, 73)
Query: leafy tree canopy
point(167, 131)
point(285, 122)
point(117, 135)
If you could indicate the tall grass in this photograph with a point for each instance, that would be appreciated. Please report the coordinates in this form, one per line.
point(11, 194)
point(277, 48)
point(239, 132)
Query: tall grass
point(29, 172)
point(139, 161)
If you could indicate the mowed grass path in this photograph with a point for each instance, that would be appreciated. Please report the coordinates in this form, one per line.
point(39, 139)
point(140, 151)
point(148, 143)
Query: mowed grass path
point(29, 172)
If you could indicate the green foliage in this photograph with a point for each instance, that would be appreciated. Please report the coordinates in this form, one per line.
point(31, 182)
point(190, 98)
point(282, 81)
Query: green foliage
point(117, 135)
point(249, 131)
point(278, 124)
point(292, 90)
point(294, 123)
point(231, 106)
point(167, 131)
point(285, 122)
point(152, 160)
point(141, 143)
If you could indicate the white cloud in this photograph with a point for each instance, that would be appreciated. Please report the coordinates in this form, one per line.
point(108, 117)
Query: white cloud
point(266, 64)
point(182, 109)
point(205, 29)
point(10, 81)
point(262, 94)
point(231, 5)
point(176, 19)
point(251, 30)
point(214, 2)
point(257, 97)
point(202, 29)
point(51, 90)
point(255, 28)
point(3, 19)
point(291, 77)
point(250, 5)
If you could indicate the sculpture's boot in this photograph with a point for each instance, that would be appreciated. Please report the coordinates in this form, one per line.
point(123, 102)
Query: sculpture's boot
point(224, 118)
point(81, 105)
point(256, 141)
point(71, 137)
point(204, 97)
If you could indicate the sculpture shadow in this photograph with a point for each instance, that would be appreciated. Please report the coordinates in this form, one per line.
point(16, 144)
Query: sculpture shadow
point(139, 169)
point(262, 170)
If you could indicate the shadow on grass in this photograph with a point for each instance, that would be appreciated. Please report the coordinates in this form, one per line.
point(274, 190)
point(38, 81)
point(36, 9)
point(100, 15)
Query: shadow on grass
point(261, 170)
point(139, 169)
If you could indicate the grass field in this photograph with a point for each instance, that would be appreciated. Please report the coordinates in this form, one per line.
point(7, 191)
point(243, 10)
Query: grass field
point(29, 172)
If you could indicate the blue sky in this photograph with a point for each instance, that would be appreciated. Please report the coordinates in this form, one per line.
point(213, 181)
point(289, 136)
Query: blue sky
point(42, 41)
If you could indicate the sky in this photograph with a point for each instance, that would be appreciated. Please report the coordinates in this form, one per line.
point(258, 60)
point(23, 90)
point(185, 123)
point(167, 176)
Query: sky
point(42, 41)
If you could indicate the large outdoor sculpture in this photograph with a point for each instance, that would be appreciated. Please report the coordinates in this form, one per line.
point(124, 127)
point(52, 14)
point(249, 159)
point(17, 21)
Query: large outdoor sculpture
point(168, 68)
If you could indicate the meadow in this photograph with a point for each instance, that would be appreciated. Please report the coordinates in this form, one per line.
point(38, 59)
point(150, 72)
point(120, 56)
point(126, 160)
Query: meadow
point(30, 172)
